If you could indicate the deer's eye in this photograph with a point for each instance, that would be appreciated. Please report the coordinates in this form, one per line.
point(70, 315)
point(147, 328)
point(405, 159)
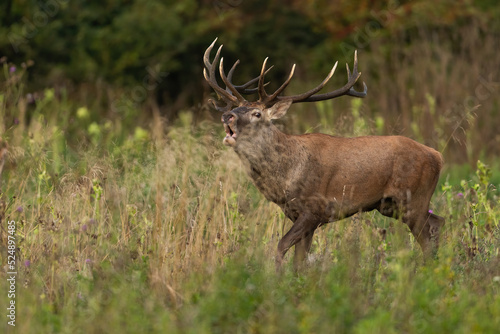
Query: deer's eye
point(257, 114)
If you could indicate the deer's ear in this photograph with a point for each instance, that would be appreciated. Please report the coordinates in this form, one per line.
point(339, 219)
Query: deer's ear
point(279, 109)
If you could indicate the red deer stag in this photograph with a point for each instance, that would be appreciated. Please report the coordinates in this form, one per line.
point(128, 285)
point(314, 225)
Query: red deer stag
point(317, 178)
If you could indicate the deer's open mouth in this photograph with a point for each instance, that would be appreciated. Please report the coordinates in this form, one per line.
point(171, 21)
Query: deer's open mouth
point(230, 139)
point(229, 131)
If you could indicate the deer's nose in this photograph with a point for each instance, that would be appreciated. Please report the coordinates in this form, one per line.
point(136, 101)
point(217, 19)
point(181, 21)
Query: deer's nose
point(226, 118)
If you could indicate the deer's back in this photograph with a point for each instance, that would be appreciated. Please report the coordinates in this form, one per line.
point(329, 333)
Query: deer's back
point(362, 170)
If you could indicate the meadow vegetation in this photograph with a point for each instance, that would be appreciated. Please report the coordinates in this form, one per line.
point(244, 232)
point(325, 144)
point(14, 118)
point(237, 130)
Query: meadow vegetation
point(130, 229)
point(132, 217)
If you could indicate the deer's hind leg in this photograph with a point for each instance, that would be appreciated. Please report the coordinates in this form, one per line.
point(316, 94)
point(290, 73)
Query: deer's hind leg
point(302, 249)
point(425, 227)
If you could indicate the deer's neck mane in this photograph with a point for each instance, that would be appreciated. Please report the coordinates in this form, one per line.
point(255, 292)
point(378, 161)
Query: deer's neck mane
point(273, 160)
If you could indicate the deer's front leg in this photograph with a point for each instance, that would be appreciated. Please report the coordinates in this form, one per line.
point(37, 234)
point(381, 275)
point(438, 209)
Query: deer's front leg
point(302, 230)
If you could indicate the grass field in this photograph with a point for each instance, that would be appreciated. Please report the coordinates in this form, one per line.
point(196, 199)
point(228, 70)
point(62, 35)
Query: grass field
point(164, 233)
point(157, 229)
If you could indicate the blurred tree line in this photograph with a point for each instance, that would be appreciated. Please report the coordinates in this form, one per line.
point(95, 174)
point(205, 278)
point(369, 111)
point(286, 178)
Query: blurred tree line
point(122, 41)
point(113, 53)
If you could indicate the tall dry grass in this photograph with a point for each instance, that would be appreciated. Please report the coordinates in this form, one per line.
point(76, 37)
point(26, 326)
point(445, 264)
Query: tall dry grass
point(169, 235)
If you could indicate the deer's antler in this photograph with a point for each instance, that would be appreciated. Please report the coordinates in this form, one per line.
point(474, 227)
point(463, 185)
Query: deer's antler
point(310, 96)
point(232, 95)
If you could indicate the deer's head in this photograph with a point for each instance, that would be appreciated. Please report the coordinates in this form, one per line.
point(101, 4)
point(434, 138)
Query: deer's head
point(242, 117)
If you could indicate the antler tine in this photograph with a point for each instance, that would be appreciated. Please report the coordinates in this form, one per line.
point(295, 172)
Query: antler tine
point(210, 76)
point(352, 91)
point(206, 55)
point(230, 78)
point(352, 78)
point(221, 92)
point(228, 83)
point(262, 91)
point(284, 85)
point(231, 71)
point(355, 93)
point(220, 106)
point(243, 88)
